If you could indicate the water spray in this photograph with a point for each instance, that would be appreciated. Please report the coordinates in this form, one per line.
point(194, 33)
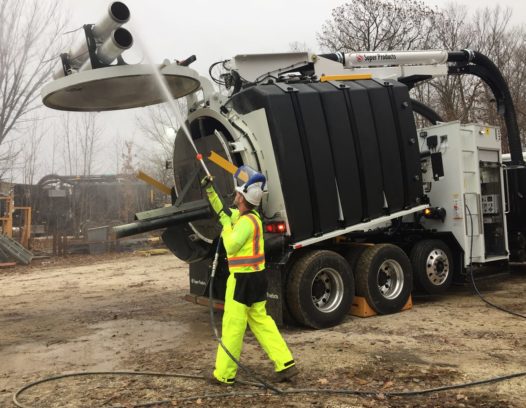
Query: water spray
point(174, 107)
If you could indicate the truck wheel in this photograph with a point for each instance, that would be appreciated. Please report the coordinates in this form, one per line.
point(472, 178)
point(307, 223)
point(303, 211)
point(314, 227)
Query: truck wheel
point(432, 265)
point(320, 289)
point(384, 278)
point(353, 254)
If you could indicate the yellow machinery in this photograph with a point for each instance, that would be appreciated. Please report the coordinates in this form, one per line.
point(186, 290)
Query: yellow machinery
point(7, 219)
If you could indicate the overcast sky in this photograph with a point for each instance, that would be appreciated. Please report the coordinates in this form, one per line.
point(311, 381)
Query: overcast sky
point(215, 30)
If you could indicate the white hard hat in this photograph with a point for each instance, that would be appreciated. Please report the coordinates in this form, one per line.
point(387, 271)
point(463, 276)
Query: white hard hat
point(252, 193)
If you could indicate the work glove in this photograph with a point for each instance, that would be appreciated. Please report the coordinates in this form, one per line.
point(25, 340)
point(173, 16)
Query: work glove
point(206, 183)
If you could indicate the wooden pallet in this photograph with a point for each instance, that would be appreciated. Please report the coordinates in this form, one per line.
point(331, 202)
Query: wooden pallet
point(204, 301)
point(361, 308)
point(152, 252)
point(7, 264)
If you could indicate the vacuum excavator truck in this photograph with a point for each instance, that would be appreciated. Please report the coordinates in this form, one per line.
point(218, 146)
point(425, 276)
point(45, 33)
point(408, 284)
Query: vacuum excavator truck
point(359, 202)
point(341, 159)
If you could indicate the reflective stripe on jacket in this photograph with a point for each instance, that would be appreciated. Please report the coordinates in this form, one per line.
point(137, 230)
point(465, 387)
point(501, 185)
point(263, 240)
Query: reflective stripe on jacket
point(251, 256)
point(243, 238)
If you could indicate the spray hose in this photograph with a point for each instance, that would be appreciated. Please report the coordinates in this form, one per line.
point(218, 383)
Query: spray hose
point(260, 382)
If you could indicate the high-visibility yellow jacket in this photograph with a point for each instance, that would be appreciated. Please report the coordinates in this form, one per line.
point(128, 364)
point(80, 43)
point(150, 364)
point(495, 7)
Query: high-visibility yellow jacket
point(242, 237)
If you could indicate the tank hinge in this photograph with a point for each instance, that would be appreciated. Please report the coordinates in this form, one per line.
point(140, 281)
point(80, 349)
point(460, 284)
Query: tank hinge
point(338, 84)
point(285, 87)
point(236, 147)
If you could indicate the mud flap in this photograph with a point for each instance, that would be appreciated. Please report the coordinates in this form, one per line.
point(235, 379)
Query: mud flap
point(275, 296)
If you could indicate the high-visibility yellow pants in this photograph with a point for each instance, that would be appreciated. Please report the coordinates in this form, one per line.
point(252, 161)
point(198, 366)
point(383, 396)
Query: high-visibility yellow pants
point(235, 318)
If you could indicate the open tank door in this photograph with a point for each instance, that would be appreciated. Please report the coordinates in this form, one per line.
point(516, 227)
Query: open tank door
point(208, 135)
point(117, 87)
point(192, 241)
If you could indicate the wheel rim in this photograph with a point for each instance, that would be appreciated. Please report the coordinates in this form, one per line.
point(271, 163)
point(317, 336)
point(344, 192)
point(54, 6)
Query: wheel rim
point(327, 290)
point(437, 267)
point(390, 279)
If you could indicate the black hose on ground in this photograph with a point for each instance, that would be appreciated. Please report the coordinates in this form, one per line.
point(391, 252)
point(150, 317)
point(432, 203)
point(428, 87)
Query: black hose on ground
point(473, 278)
point(263, 384)
point(289, 391)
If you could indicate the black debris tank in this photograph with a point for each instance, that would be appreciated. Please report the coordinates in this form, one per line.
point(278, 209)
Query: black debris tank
point(315, 142)
point(388, 144)
point(344, 150)
point(368, 150)
point(347, 164)
point(288, 151)
point(408, 142)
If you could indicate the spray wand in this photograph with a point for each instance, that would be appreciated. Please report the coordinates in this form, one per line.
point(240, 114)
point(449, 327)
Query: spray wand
point(199, 158)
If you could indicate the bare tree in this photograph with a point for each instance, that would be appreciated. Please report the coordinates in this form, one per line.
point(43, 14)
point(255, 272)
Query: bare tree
point(30, 39)
point(379, 25)
point(31, 151)
point(128, 166)
point(126, 191)
point(161, 128)
point(467, 98)
point(118, 146)
point(452, 96)
point(299, 46)
point(69, 155)
point(505, 44)
point(382, 24)
point(9, 151)
point(154, 162)
point(80, 138)
point(52, 166)
point(88, 138)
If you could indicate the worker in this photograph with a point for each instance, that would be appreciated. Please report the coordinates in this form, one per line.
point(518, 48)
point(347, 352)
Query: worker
point(246, 288)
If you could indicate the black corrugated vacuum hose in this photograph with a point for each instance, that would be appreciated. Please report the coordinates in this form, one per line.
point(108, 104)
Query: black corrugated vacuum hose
point(478, 64)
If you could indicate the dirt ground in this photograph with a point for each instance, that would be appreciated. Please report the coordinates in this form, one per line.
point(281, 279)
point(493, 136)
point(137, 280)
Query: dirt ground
point(127, 312)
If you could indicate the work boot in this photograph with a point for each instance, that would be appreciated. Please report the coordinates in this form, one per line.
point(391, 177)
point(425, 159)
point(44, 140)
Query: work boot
point(287, 374)
point(211, 379)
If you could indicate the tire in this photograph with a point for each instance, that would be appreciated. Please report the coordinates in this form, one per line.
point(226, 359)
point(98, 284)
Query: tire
point(320, 289)
point(353, 254)
point(432, 263)
point(384, 278)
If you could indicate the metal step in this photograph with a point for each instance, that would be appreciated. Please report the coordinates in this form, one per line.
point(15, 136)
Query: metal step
point(13, 250)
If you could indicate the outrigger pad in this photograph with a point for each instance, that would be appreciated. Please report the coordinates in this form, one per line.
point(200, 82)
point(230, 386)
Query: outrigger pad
point(118, 87)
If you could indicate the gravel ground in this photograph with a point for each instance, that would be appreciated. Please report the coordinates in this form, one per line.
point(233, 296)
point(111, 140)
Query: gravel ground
point(126, 312)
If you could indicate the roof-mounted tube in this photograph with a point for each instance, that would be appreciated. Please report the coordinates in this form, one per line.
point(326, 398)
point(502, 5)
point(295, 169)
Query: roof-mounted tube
point(389, 58)
point(361, 59)
point(334, 56)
